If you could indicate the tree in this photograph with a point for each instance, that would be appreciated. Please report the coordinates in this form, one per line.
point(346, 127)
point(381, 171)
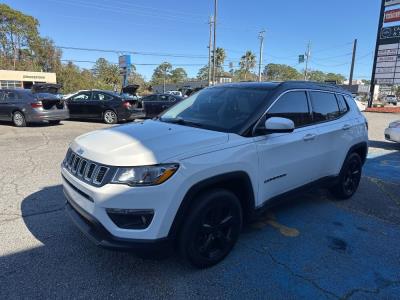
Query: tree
point(178, 75)
point(315, 75)
point(279, 72)
point(247, 63)
point(162, 73)
point(339, 78)
point(203, 73)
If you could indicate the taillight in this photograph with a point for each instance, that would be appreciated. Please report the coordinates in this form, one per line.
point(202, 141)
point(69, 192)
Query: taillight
point(37, 104)
point(126, 104)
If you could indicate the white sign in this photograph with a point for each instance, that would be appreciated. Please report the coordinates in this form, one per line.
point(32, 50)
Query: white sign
point(387, 58)
point(391, 2)
point(387, 52)
point(385, 70)
point(384, 81)
point(386, 64)
point(388, 46)
point(384, 76)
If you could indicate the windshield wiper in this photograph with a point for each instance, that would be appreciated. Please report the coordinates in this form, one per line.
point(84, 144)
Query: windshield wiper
point(180, 121)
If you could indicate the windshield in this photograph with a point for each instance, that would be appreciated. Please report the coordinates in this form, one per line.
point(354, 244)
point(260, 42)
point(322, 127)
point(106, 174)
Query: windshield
point(221, 109)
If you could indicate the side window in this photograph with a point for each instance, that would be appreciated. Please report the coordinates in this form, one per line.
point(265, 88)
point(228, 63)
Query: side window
point(325, 106)
point(10, 96)
point(150, 98)
point(163, 98)
point(343, 106)
point(101, 97)
point(81, 97)
point(293, 106)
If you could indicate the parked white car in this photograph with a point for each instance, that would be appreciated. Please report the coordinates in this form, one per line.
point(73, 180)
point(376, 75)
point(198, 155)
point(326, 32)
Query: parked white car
point(190, 179)
point(392, 133)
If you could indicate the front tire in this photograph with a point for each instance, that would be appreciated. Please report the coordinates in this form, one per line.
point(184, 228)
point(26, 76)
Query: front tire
point(110, 117)
point(54, 122)
point(211, 228)
point(349, 178)
point(18, 119)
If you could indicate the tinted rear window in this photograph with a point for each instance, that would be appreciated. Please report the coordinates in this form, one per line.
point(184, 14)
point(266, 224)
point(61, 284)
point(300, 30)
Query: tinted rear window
point(325, 106)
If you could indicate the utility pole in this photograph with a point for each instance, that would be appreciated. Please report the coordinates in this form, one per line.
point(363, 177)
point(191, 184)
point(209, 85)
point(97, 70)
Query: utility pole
point(215, 40)
point(165, 78)
point(353, 60)
point(261, 37)
point(209, 51)
point(307, 54)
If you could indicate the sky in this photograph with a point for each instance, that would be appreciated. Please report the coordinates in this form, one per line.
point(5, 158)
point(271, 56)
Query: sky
point(179, 28)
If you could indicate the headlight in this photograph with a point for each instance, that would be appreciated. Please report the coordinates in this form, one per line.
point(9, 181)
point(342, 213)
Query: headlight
point(145, 175)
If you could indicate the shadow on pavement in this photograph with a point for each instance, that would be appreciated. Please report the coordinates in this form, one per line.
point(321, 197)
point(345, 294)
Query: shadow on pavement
point(384, 145)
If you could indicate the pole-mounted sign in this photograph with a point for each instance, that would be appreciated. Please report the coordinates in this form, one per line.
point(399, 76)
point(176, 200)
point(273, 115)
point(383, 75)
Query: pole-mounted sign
point(125, 65)
point(386, 68)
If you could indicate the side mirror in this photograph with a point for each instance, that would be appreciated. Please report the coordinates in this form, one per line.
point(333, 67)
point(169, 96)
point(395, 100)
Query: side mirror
point(279, 125)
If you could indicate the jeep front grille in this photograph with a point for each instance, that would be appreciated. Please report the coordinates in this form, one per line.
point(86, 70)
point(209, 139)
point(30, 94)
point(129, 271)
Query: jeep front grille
point(86, 170)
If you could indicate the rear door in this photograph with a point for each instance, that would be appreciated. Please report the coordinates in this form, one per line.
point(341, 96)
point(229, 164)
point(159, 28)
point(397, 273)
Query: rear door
point(77, 105)
point(334, 127)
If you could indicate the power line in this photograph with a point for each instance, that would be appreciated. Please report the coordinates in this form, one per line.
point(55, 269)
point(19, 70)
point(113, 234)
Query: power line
point(132, 52)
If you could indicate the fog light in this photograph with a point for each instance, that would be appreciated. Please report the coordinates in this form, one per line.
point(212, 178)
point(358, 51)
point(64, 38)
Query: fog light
point(130, 218)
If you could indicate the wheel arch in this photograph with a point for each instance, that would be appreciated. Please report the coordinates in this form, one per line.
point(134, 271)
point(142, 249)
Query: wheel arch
point(238, 182)
point(361, 149)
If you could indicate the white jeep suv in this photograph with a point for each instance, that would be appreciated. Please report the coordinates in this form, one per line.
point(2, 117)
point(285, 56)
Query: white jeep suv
point(190, 178)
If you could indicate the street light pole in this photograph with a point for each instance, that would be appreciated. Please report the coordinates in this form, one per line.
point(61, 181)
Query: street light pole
point(308, 53)
point(209, 52)
point(261, 37)
point(215, 40)
point(353, 60)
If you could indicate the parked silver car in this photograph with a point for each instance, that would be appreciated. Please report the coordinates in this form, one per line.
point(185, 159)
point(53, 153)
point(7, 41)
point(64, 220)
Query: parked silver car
point(26, 106)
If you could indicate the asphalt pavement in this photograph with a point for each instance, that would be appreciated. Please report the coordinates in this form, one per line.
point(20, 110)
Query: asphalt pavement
point(309, 248)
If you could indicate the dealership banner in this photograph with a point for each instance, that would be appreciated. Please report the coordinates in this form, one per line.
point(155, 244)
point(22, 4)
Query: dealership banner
point(392, 16)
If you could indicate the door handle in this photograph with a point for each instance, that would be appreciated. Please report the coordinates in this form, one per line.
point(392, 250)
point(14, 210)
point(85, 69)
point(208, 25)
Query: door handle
point(309, 137)
point(346, 127)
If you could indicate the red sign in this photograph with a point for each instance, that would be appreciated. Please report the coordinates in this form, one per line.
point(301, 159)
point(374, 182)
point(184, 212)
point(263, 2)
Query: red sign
point(392, 16)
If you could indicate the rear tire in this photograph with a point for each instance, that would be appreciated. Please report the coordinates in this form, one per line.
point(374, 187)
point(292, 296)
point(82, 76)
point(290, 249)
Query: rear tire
point(18, 119)
point(54, 122)
point(110, 117)
point(211, 229)
point(349, 178)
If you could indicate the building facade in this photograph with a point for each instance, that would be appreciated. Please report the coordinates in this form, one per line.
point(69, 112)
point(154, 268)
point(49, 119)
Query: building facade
point(24, 79)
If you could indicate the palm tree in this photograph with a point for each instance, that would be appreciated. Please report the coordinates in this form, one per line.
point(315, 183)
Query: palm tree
point(247, 62)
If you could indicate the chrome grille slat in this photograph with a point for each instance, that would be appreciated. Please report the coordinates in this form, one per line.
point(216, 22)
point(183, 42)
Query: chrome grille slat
point(86, 170)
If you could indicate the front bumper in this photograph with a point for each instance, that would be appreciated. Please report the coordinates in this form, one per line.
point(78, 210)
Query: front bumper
point(101, 237)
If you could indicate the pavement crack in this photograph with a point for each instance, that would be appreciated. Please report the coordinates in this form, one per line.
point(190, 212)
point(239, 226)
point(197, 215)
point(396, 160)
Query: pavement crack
point(376, 291)
point(327, 293)
point(18, 216)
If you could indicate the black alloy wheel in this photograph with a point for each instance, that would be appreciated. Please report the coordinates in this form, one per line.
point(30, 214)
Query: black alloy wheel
point(212, 228)
point(349, 178)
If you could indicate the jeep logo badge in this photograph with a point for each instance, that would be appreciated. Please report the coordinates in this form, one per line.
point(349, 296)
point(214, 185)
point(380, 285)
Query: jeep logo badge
point(80, 151)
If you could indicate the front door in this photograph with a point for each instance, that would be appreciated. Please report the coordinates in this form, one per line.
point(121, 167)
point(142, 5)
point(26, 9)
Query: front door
point(77, 105)
point(287, 160)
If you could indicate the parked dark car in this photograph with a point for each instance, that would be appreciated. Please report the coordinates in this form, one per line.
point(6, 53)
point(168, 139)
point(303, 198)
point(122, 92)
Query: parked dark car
point(152, 105)
point(28, 106)
point(100, 105)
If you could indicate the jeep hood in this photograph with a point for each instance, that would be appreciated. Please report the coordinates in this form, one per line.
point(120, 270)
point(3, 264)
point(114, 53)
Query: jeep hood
point(146, 143)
